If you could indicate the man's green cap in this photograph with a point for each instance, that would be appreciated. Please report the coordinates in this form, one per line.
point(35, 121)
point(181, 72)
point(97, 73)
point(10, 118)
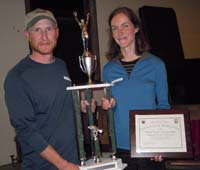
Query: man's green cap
point(34, 16)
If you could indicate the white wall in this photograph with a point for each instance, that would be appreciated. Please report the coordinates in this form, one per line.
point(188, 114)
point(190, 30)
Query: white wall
point(187, 12)
point(12, 48)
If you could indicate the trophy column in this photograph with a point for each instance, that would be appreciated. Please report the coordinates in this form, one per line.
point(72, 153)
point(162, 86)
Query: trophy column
point(79, 128)
point(107, 93)
point(93, 129)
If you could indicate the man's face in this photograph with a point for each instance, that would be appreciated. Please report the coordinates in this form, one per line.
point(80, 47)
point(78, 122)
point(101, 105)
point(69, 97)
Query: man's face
point(42, 37)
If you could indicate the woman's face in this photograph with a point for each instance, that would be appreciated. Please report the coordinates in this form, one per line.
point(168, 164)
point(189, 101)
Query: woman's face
point(123, 30)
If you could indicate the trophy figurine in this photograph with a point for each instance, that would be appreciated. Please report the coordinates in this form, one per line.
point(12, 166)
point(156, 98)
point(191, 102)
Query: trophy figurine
point(87, 61)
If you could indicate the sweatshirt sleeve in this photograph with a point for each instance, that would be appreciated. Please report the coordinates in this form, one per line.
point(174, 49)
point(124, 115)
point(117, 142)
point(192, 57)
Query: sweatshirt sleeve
point(162, 87)
point(20, 105)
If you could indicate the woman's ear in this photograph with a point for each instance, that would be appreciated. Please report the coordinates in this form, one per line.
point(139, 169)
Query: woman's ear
point(136, 30)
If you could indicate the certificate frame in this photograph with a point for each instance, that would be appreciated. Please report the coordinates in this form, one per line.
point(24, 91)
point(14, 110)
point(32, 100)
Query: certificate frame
point(188, 154)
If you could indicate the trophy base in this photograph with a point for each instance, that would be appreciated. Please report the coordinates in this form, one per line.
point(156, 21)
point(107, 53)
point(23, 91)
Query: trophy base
point(105, 164)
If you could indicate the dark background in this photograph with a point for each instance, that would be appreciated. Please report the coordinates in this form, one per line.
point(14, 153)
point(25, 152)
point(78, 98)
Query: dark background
point(69, 46)
point(162, 32)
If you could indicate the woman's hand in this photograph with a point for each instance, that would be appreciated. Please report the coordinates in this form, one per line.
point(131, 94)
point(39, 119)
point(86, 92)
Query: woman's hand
point(106, 104)
point(157, 158)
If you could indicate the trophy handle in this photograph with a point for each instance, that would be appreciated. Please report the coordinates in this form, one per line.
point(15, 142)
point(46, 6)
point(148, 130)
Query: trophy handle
point(82, 64)
point(95, 63)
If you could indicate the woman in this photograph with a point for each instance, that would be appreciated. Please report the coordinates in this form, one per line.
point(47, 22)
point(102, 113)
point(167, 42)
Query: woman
point(144, 84)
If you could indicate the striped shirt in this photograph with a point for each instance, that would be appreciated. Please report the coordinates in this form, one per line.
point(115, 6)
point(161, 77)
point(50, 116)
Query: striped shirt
point(129, 65)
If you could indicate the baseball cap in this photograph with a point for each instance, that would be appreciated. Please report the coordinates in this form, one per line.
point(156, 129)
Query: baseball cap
point(34, 16)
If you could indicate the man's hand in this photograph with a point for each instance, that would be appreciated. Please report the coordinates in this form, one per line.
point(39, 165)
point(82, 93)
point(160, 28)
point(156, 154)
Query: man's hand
point(69, 166)
point(84, 104)
point(53, 157)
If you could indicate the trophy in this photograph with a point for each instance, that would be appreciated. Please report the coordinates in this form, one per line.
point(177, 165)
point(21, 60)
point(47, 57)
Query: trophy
point(87, 61)
point(98, 160)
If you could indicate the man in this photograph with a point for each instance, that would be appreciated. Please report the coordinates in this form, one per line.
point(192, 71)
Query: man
point(39, 106)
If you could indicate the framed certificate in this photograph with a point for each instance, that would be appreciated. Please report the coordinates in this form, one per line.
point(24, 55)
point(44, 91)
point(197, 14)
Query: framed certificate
point(160, 132)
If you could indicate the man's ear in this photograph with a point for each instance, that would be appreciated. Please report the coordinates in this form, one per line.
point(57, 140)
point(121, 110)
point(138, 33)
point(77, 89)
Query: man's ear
point(26, 34)
point(57, 30)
